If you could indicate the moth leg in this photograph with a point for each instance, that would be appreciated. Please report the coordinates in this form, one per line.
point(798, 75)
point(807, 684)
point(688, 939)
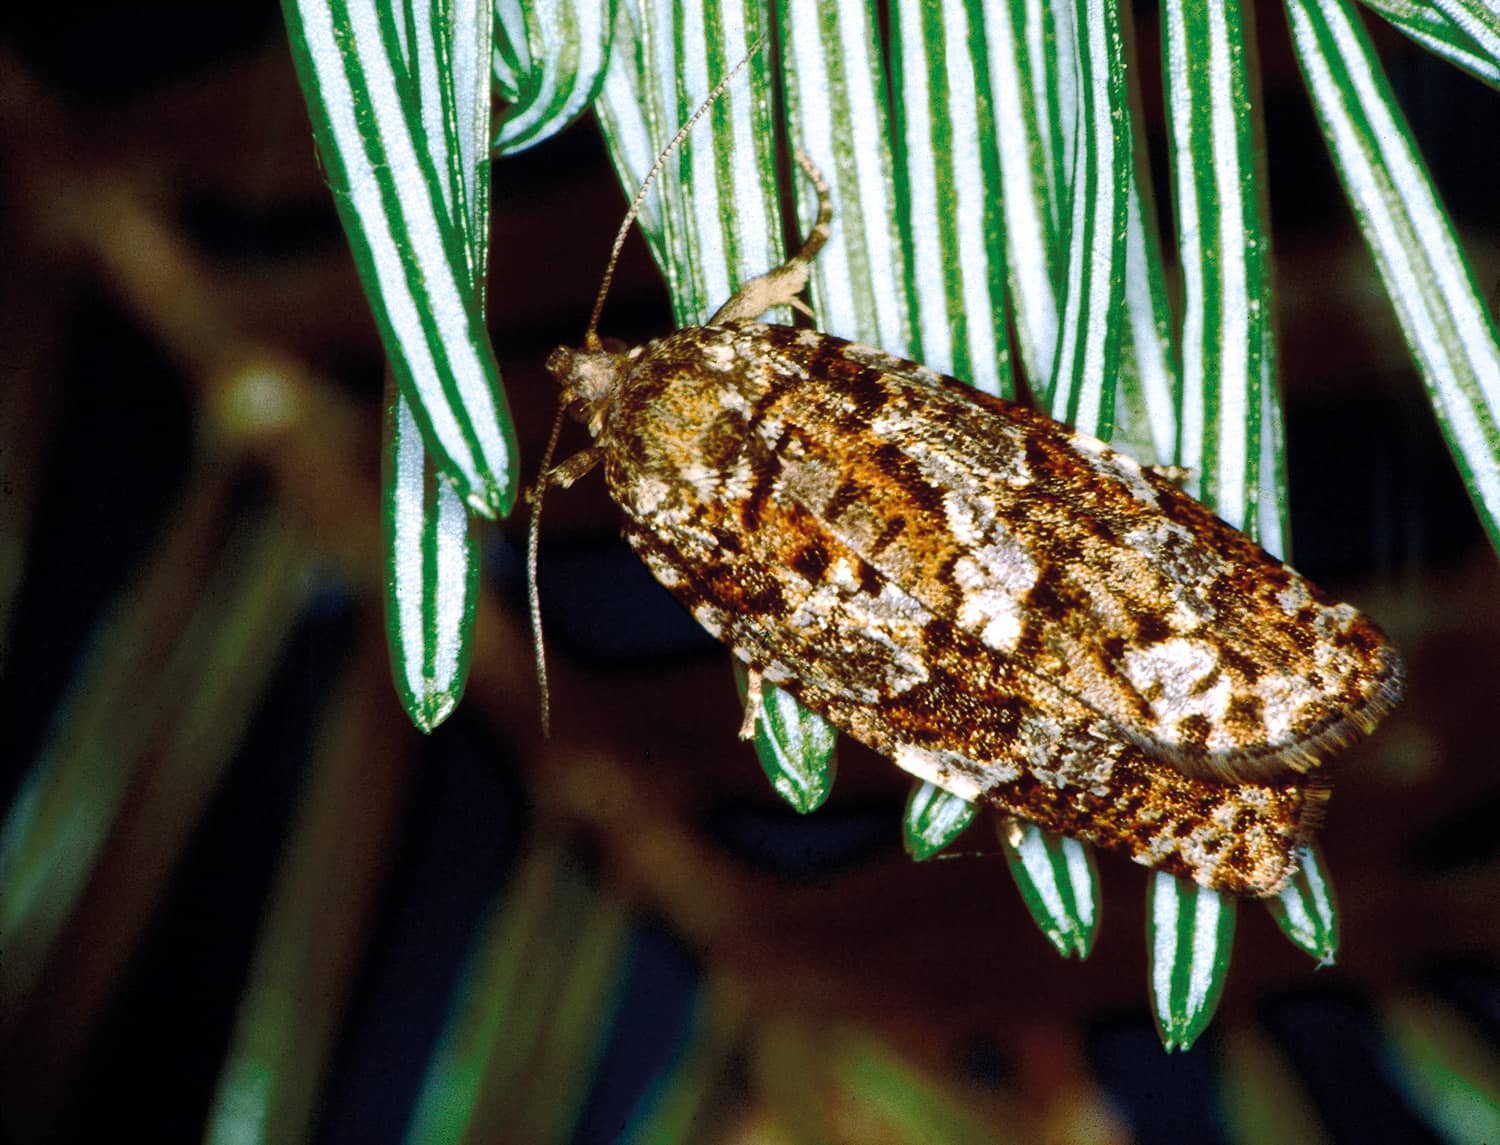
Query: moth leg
point(564, 473)
point(753, 695)
point(781, 286)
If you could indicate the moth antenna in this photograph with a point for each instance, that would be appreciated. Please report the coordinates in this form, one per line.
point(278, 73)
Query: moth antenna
point(591, 335)
point(533, 594)
point(591, 342)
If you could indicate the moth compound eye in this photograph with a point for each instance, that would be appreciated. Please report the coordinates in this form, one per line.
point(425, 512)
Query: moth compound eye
point(560, 363)
point(585, 413)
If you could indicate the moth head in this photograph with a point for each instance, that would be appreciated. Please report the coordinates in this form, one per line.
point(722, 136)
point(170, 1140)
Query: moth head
point(588, 379)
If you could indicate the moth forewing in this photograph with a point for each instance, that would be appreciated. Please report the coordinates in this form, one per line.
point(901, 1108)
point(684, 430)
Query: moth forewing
point(1098, 576)
point(1005, 608)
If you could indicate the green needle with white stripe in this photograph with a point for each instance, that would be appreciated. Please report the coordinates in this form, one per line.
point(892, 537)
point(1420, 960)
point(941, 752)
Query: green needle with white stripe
point(1189, 934)
point(432, 574)
point(432, 566)
point(371, 114)
point(1082, 384)
point(1227, 344)
point(1449, 330)
point(1466, 33)
point(949, 192)
point(1305, 909)
point(835, 78)
point(1058, 883)
point(933, 819)
point(549, 63)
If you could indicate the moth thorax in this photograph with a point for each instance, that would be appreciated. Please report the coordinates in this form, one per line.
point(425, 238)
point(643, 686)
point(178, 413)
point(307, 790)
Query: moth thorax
point(589, 379)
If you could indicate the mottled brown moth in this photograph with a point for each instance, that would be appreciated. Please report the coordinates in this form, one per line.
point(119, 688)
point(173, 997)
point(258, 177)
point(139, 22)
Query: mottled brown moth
point(1009, 609)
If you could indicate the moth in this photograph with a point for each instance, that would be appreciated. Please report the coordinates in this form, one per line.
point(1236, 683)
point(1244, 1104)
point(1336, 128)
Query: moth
point(1008, 609)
